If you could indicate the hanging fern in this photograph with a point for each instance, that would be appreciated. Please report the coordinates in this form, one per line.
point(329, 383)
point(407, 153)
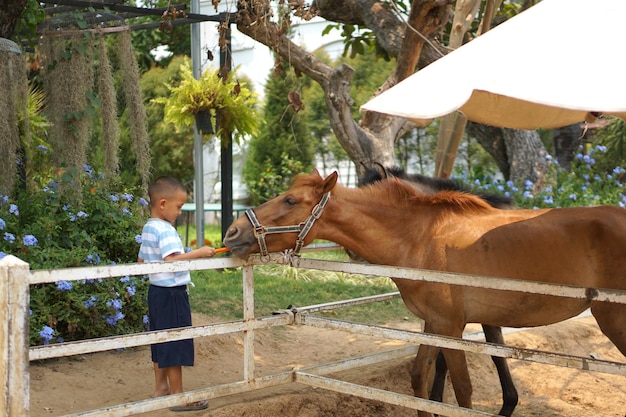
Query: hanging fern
point(110, 127)
point(228, 101)
point(13, 100)
point(69, 82)
point(136, 109)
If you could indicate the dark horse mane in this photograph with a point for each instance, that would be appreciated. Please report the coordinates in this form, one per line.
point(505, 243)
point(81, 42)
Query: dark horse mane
point(443, 189)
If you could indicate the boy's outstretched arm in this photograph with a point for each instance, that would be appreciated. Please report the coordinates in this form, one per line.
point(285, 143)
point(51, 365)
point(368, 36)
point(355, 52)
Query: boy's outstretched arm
point(202, 252)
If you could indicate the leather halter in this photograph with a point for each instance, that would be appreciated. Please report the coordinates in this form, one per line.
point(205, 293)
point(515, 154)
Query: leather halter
point(302, 229)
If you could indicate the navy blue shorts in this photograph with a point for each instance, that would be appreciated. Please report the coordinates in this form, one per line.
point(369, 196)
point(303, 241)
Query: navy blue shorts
point(168, 308)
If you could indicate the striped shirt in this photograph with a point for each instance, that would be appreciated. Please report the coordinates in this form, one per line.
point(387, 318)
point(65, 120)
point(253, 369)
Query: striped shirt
point(160, 239)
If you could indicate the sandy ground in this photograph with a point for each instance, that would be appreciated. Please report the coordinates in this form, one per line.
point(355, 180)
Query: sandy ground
point(70, 385)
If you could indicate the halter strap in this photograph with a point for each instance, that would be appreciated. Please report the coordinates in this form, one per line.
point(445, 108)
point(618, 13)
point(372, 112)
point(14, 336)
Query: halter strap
point(302, 229)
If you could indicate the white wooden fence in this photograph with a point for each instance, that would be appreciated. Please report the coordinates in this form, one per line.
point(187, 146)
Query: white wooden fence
point(15, 279)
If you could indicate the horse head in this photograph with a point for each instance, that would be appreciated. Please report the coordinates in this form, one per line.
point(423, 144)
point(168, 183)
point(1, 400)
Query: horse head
point(283, 222)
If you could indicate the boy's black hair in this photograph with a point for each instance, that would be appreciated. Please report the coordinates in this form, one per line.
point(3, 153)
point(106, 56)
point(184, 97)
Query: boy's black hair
point(164, 187)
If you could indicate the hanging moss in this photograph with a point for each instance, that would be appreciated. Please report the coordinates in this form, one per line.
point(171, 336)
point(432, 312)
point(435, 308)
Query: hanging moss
point(110, 127)
point(13, 100)
point(137, 111)
point(69, 81)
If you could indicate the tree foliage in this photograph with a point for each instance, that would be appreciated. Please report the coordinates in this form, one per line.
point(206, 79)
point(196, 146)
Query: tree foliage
point(283, 146)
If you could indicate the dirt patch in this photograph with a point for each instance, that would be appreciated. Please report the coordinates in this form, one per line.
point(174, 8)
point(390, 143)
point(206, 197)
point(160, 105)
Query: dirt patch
point(70, 385)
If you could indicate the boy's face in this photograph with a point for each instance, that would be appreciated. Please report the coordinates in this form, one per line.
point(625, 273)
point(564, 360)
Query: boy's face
point(169, 209)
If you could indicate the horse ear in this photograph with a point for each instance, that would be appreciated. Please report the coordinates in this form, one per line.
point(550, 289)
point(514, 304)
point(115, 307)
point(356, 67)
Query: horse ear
point(382, 171)
point(330, 182)
point(316, 172)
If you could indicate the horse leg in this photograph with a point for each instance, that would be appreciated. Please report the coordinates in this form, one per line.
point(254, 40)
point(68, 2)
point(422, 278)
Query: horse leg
point(423, 369)
point(610, 318)
point(459, 375)
point(493, 334)
point(421, 373)
point(441, 370)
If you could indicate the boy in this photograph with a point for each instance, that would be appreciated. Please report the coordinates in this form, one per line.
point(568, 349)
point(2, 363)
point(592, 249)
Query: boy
point(168, 300)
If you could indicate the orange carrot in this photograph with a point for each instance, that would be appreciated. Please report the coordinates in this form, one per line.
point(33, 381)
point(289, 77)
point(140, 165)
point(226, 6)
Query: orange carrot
point(221, 250)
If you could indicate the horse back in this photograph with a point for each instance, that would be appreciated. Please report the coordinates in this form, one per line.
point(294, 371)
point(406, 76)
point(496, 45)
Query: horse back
point(577, 246)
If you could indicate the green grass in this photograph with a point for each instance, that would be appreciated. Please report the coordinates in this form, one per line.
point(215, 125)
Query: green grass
point(220, 294)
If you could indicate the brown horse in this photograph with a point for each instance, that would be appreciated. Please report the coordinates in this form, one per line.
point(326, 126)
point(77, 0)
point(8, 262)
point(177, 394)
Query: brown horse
point(456, 232)
point(493, 334)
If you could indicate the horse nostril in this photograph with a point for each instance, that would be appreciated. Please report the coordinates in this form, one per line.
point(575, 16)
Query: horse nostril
point(232, 232)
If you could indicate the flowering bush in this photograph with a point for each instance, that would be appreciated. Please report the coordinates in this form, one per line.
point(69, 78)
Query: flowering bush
point(43, 229)
point(584, 185)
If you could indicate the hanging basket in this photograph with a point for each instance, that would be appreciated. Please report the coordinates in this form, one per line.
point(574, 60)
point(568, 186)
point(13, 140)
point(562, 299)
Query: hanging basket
point(204, 122)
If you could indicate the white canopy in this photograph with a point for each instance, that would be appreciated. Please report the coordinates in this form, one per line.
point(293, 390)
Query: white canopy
point(559, 62)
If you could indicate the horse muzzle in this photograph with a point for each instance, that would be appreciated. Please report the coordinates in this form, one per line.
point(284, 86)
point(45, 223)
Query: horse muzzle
point(241, 242)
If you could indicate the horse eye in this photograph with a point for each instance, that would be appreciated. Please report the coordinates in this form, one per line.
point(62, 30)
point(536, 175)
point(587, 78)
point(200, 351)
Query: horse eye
point(290, 201)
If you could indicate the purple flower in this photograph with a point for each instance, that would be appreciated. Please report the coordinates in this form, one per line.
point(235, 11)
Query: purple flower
point(43, 148)
point(13, 209)
point(142, 202)
point(126, 212)
point(93, 258)
point(131, 290)
point(125, 279)
point(114, 198)
point(82, 214)
point(127, 197)
point(88, 169)
point(2, 255)
point(29, 240)
point(46, 334)
point(138, 239)
point(114, 318)
point(116, 304)
point(3, 224)
point(9, 237)
point(91, 302)
point(64, 286)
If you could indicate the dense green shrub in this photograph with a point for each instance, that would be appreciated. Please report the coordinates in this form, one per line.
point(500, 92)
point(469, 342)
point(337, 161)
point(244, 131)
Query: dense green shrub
point(40, 226)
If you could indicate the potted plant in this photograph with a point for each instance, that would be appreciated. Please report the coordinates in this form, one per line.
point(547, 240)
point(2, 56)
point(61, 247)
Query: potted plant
point(217, 105)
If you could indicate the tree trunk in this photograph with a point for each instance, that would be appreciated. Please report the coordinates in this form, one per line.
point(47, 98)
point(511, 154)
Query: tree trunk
point(567, 139)
point(519, 154)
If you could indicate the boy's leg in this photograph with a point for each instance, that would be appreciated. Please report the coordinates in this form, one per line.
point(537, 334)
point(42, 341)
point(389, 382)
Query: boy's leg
point(161, 385)
point(175, 378)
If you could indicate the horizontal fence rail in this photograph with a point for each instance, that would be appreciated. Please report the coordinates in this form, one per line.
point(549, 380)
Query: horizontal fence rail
point(141, 339)
point(569, 291)
point(491, 349)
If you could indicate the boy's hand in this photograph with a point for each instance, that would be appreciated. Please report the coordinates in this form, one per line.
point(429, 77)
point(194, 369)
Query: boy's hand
point(206, 251)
